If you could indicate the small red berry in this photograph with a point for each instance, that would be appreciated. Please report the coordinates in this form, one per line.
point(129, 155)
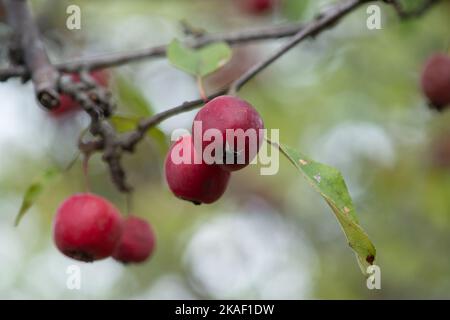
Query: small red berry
point(435, 80)
point(244, 126)
point(67, 104)
point(195, 182)
point(87, 227)
point(137, 241)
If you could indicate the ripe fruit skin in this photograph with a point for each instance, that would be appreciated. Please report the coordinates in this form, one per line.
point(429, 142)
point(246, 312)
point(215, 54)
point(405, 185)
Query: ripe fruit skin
point(228, 112)
point(87, 227)
point(137, 241)
point(198, 183)
point(67, 104)
point(435, 80)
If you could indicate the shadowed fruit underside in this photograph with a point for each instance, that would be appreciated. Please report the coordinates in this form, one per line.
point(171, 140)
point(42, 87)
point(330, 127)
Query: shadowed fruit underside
point(198, 183)
point(137, 242)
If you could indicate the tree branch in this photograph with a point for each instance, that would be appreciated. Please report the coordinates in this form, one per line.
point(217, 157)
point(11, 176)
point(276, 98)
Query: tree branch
point(322, 22)
point(32, 52)
point(232, 38)
point(117, 59)
point(97, 103)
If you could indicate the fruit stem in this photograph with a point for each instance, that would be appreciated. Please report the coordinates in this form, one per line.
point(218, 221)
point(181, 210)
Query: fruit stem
point(128, 203)
point(201, 88)
point(72, 162)
point(85, 164)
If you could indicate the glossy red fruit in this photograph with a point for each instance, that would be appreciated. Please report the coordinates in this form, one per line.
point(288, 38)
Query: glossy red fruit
point(67, 104)
point(87, 227)
point(198, 183)
point(435, 80)
point(231, 113)
point(137, 241)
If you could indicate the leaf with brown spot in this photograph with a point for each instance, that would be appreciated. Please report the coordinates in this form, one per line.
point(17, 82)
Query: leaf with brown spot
point(329, 182)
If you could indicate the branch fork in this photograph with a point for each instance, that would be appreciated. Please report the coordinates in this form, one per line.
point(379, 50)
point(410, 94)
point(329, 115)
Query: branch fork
point(30, 60)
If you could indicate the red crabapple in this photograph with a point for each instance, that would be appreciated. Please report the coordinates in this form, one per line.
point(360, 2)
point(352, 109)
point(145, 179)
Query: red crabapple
point(195, 182)
point(435, 80)
point(137, 241)
point(240, 126)
point(87, 227)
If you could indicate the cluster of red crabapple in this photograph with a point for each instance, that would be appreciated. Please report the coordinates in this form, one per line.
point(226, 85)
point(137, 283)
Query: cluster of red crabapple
point(88, 227)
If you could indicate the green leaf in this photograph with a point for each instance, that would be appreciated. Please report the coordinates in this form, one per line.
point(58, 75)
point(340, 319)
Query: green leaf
point(131, 98)
point(199, 62)
point(34, 191)
point(329, 182)
point(128, 123)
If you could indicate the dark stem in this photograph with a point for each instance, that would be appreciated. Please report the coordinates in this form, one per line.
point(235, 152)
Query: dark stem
point(322, 22)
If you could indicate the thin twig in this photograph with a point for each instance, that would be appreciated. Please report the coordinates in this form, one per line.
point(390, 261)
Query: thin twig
point(118, 59)
point(324, 21)
point(132, 138)
point(321, 23)
point(97, 103)
point(232, 38)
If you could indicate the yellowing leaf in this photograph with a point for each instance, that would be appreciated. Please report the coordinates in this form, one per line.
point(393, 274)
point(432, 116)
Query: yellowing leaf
point(329, 182)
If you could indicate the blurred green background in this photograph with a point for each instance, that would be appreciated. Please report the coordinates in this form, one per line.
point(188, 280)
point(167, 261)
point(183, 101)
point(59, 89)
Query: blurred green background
point(348, 98)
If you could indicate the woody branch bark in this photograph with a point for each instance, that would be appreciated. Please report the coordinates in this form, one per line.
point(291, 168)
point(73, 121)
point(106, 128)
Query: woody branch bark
point(28, 45)
point(120, 58)
point(98, 103)
point(322, 22)
point(113, 145)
